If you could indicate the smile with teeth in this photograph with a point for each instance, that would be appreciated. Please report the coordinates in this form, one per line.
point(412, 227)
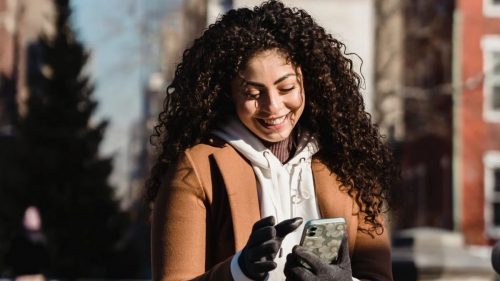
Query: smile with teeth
point(274, 121)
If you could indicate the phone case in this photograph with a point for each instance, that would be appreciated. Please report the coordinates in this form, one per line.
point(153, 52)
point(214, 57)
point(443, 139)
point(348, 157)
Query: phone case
point(323, 237)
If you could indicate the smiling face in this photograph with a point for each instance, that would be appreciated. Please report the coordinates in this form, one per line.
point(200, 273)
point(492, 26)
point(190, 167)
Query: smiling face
point(268, 95)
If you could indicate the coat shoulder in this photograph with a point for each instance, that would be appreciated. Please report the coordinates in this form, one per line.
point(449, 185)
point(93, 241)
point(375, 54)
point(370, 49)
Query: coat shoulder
point(200, 154)
point(210, 158)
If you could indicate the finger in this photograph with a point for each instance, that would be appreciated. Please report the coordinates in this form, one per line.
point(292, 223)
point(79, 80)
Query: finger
point(267, 221)
point(267, 250)
point(310, 259)
point(261, 235)
point(263, 266)
point(285, 227)
point(292, 260)
point(297, 273)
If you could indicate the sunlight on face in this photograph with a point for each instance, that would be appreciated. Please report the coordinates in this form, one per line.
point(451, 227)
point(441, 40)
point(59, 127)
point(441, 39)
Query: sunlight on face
point(268, 95)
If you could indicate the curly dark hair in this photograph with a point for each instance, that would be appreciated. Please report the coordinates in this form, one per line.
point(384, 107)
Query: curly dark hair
point(198, 98)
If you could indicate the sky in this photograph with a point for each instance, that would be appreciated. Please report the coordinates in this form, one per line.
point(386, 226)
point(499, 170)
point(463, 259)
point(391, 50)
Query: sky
point(111, 31)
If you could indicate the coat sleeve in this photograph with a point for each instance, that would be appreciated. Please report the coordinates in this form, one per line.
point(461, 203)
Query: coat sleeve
point(179, 232)
point(371, 258)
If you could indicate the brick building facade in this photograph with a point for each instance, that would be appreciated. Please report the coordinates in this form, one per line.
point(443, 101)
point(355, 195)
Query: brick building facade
point(477, 102)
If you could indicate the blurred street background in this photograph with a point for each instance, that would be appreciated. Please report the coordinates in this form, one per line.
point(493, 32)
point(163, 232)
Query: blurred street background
point(82, 83)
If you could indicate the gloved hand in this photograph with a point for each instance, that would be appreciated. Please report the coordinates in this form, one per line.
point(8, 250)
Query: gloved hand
point(340, 270)
point(257, 257)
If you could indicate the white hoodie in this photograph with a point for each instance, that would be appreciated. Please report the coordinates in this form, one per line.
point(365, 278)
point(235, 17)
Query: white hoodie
point(285, 190)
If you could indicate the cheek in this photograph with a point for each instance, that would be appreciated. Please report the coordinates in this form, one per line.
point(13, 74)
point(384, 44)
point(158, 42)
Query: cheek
point(245, 108)
point(296, 101)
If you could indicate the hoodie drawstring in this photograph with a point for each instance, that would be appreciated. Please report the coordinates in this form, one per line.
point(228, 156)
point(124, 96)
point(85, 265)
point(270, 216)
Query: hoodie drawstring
point(301, 194)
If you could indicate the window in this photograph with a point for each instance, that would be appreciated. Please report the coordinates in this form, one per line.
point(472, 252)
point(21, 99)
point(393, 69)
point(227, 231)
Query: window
point(491, 8)
point(492, 193)
point(491, 63)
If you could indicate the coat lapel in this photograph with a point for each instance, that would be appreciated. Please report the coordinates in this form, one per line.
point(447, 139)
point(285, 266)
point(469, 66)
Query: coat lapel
point(241, 187)
point(332, 202)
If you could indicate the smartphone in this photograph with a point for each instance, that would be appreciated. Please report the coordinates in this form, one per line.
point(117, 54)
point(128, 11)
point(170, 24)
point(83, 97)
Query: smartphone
point(323, 237)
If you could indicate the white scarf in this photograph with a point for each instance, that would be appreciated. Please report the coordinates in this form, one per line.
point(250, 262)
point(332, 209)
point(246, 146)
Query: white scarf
point(285, 190)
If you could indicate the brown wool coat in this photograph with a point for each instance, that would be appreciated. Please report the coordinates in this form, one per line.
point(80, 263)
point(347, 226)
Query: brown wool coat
point(205, 212)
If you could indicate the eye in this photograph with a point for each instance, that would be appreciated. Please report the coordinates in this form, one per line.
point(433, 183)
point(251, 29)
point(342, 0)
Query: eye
point(287, 89)
point(252, 94)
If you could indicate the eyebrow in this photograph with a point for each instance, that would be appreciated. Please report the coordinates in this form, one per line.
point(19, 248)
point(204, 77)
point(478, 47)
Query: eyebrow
point(257, 84)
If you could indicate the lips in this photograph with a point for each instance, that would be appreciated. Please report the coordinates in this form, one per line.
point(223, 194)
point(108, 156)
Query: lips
point(273, 122)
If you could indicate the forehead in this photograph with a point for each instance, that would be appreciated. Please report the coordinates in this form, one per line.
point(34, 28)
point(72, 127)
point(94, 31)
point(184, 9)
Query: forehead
point(267, 64)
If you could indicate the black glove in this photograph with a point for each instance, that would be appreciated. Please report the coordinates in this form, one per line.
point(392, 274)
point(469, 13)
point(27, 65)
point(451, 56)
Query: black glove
point(257, 257)
point(340, 270)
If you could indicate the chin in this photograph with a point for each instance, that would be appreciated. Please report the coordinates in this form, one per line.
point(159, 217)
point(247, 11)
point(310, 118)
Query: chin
point(274, 137)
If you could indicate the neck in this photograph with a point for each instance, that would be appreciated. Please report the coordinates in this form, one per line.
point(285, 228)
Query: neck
point(283, 150)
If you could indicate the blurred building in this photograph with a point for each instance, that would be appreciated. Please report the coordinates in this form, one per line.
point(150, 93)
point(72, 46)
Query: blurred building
point(413, 101)
point(22, 22)
point(155, 22)
point(477, 119)
point(170, 34)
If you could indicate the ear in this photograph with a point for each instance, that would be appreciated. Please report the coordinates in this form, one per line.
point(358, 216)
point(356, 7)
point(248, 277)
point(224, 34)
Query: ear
point(300, 77)
point(298, 70)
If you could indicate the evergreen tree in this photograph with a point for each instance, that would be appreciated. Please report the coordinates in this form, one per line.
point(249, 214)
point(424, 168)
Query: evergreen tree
point(66, 178)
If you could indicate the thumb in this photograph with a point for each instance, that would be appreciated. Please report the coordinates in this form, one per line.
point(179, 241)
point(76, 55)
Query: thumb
point(285, 227)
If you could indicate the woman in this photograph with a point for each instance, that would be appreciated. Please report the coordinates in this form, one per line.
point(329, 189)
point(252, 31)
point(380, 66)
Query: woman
point(264, 127)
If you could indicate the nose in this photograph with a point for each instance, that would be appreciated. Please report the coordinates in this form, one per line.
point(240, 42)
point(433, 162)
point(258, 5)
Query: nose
point(271, 102)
